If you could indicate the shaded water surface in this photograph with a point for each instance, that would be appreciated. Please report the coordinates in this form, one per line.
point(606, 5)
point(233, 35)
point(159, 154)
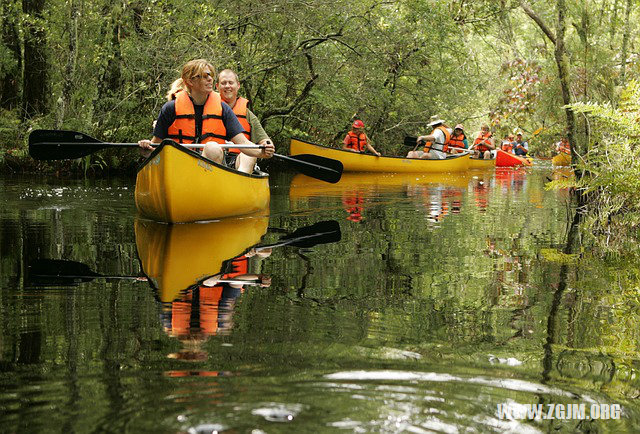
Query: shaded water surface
point(442, 304)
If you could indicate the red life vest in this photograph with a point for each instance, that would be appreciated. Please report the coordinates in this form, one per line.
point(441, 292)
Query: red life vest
point(357, 142)
point(183, 128)
point(455, 142)
point(445, 145)
point(240, 109)
point(479, 142)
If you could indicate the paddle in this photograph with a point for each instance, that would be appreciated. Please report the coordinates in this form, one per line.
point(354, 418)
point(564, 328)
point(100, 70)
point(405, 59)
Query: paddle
point(65, 145)
point(60, 272)
point(412, 141)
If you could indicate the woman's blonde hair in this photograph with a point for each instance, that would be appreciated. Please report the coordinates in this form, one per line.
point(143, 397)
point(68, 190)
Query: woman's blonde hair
point(190, 70)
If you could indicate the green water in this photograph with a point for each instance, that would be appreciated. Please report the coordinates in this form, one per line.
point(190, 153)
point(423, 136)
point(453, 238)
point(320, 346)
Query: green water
point(440, 302)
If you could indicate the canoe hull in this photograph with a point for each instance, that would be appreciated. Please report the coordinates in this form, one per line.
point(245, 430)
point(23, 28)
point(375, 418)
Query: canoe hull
point(354, 162)
point(561, 160)
point(506, 159)
point(482, 164)
point(178, 185)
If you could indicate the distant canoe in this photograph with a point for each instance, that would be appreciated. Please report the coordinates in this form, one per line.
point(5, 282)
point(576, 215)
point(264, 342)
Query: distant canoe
point(506, 159)
point(175, 257)
point(561, 160)
point(354, 162)
point(178, 185)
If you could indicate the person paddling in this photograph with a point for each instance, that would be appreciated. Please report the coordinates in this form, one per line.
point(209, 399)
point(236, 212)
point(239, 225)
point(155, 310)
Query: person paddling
point(483, 144)
point(521, 145)
point(197, 114)
point(357, 141)
point(434, 143)
point(563, 147)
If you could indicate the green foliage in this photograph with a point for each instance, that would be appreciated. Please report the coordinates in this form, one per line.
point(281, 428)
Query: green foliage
point(612, 161)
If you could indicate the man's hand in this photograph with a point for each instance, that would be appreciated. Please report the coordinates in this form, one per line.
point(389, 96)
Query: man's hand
point(146, 144)
point(268, 150)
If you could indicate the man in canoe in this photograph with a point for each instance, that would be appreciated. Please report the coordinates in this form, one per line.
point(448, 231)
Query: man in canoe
point(196, 113)
point(434, 143)
point(522, 147)
point(357, 141)
point(563, 147)
point(483, 144)
point(228, 85)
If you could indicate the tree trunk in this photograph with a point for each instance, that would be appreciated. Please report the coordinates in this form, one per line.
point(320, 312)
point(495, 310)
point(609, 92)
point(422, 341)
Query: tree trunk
point(10, 77)
point(35, 77)
point(69, 72)
point(563, 74)
point(625, 43)
point(562, 62)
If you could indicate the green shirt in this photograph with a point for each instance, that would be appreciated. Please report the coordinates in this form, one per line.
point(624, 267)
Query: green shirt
point(257, 132)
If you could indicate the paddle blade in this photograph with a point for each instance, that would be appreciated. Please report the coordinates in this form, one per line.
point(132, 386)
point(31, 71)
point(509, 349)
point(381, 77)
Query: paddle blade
point(62, 145)
point(410, 141)
point(323, 232)
point(57, 272)
point(315, 166)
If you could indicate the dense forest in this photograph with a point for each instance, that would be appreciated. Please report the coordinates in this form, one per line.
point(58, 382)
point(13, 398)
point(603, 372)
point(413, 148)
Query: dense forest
point(547, 68)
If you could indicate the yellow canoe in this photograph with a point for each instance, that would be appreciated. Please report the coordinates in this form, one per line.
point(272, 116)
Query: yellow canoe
point(561, 160)
point(481, 164)
point(175, 257)
point(178, 185)
point(354, 162)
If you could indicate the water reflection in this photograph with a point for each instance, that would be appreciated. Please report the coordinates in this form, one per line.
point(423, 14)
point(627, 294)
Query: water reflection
point(199, 271)
point(437, 194)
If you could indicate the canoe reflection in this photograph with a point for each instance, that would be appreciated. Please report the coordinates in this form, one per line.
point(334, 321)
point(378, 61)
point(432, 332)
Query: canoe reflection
point(357, 189)
point(198, 272)
point(175, 257)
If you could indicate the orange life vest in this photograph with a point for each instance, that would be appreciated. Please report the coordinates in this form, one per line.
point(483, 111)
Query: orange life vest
point(479, 142)
point(240, 109)
point(357, 142)
point(183, 128)
point(507, 147)
point(455, 142)
point(207, 302)
point(445, 145)
point(564, 148)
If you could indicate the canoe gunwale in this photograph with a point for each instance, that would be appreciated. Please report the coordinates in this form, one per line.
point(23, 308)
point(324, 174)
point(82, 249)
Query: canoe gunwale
point(398, 157)
point(191, 152)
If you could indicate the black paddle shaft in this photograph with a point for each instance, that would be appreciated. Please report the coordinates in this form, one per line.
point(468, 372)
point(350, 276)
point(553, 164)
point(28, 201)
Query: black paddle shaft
point(64, 145)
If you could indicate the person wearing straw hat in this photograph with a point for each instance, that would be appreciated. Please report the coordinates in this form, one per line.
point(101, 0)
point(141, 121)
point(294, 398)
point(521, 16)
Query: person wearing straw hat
point(434, 143)
point(357, 141)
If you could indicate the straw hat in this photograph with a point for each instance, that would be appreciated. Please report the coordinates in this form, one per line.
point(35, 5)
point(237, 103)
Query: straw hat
point(459, 127)
point(435, 120)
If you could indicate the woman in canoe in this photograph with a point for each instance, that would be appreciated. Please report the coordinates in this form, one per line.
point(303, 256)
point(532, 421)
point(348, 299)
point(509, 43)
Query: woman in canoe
point(357, 141)
point(196, 113)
